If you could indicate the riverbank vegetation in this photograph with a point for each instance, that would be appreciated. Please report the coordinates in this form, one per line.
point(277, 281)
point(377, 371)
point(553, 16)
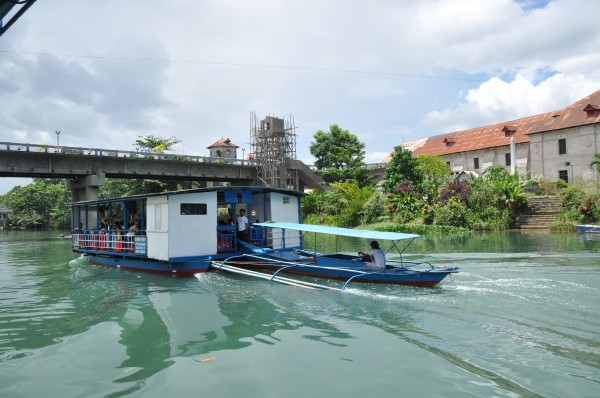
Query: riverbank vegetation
point(580, 202)
point(420, 195)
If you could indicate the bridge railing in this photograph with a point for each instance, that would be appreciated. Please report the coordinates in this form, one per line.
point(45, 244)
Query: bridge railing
point(117, 153)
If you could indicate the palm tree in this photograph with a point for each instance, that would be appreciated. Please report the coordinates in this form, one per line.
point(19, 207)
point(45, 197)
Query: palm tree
point(596, 162)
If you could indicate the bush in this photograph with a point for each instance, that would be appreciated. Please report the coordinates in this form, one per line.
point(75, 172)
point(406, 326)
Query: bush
point(491, 218)
point(375, 209)
point(572, 196)
point(566, 221)
point(547, 187)
point(453, 213)
point(455, 188)
point(415, 228)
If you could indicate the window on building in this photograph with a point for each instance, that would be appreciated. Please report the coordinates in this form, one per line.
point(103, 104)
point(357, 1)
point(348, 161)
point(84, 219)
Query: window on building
point(563, 175)
point(592, 111)
point(509, 131)
point(507, 159)
point(188, 209)
point(476, 163)
point(562, 146)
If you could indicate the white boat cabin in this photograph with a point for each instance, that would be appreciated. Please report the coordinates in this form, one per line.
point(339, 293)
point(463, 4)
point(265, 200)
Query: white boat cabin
point(183, 225)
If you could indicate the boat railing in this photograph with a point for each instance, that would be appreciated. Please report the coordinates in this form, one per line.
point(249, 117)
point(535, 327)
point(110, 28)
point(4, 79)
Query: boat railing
point(110, 242)
point(407, 263)
point(225, 239)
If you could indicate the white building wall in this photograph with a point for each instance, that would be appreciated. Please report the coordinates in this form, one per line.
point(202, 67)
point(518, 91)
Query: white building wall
point(465, 161)
point(582, 143)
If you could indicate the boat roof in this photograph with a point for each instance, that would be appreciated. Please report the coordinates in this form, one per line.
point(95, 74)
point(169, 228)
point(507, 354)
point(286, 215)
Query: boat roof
point(184, 191)
point(355, 233)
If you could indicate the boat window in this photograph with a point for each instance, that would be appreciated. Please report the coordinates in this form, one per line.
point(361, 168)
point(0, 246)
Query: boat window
point(286, 199)
point(193, 209)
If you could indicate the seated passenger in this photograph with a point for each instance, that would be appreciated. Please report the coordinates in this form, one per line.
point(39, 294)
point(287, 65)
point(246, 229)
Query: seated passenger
point(375, 259)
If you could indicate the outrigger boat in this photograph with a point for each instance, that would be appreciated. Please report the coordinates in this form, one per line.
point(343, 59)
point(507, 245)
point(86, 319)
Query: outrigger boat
point(190, 231)
point(588, 229)
point(284, 253)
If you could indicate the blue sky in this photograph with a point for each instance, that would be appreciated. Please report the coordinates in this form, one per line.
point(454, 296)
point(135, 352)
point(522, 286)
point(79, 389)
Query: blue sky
point(389, 71)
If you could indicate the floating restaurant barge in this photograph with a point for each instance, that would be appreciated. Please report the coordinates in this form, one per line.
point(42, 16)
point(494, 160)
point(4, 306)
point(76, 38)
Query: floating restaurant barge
point(178, 232)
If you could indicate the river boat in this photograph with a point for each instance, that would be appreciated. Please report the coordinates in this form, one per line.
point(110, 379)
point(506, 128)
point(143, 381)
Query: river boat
point(179, 232)
point(190, 231)
point(588, 229)
point(281, 250)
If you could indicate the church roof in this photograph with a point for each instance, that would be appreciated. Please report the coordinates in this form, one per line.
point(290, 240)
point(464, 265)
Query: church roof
point(223, 143)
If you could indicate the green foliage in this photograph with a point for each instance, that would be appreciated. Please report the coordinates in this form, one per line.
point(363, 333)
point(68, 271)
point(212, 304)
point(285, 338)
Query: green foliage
point(45, 203)
point(414, 228)
point(433, 167)
point(374, 210)
point(403, 167)
point(455, 189)
point(590, 209)
point(509, 186)
point(436, 172)
point(566, 221)
point(596, 162)
point(572, 196)
point(341, 206)
point(490, 218)
point(548, 187)
point(150, 143)
point(118, 188)
point(339, 155)
point(453, 213)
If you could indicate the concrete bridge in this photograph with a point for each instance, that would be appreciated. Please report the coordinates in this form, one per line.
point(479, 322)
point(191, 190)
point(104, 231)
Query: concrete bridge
point(86, 168)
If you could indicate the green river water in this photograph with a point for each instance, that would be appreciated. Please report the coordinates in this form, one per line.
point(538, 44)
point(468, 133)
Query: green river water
point(521, 319)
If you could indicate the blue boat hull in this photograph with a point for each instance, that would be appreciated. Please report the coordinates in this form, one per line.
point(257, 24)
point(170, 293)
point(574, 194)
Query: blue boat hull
point(184, 268)
point(591, 229)
point(345, 268)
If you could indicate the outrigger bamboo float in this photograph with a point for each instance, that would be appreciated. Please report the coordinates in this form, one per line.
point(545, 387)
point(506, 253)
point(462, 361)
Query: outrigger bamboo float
point(190, 231)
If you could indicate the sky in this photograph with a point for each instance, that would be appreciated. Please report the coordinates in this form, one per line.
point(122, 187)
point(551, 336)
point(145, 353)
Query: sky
point(104, 73)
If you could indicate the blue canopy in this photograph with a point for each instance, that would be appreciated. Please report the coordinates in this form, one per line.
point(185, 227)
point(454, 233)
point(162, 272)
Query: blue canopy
point(356, 233)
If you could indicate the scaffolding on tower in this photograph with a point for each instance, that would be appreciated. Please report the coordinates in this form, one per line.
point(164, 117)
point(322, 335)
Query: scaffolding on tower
point(273, 147)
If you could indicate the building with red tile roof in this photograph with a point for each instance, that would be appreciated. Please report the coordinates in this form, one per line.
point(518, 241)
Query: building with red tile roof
point(559, 144)
point(223, 148)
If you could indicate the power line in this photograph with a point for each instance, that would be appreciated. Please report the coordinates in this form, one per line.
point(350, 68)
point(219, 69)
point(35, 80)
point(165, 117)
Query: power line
point(269, 66)
point(245, 65)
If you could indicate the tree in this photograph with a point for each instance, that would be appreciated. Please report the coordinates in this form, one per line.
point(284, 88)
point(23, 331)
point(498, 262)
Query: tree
point(403, 167)
point(118, 188)
point(509, 186)
point(41, 204)
point(435, 172)
point(339, 155)
point(154, 144)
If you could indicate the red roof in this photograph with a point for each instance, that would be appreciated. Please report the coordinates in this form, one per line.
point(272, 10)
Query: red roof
point(582, 112)
point(223, 143)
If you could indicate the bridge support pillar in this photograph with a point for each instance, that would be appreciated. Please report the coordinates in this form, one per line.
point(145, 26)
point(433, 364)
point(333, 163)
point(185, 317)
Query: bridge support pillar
point(85, 188)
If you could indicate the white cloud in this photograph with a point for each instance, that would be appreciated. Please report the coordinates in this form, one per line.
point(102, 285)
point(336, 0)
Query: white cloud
point(496, 100)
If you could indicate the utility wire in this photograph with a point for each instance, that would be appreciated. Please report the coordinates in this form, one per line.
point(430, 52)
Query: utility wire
point(267, 66)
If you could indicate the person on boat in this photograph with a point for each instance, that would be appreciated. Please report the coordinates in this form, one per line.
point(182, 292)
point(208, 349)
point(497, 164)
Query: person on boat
point(134, 229)
point(375, 259)
point(242, 226)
